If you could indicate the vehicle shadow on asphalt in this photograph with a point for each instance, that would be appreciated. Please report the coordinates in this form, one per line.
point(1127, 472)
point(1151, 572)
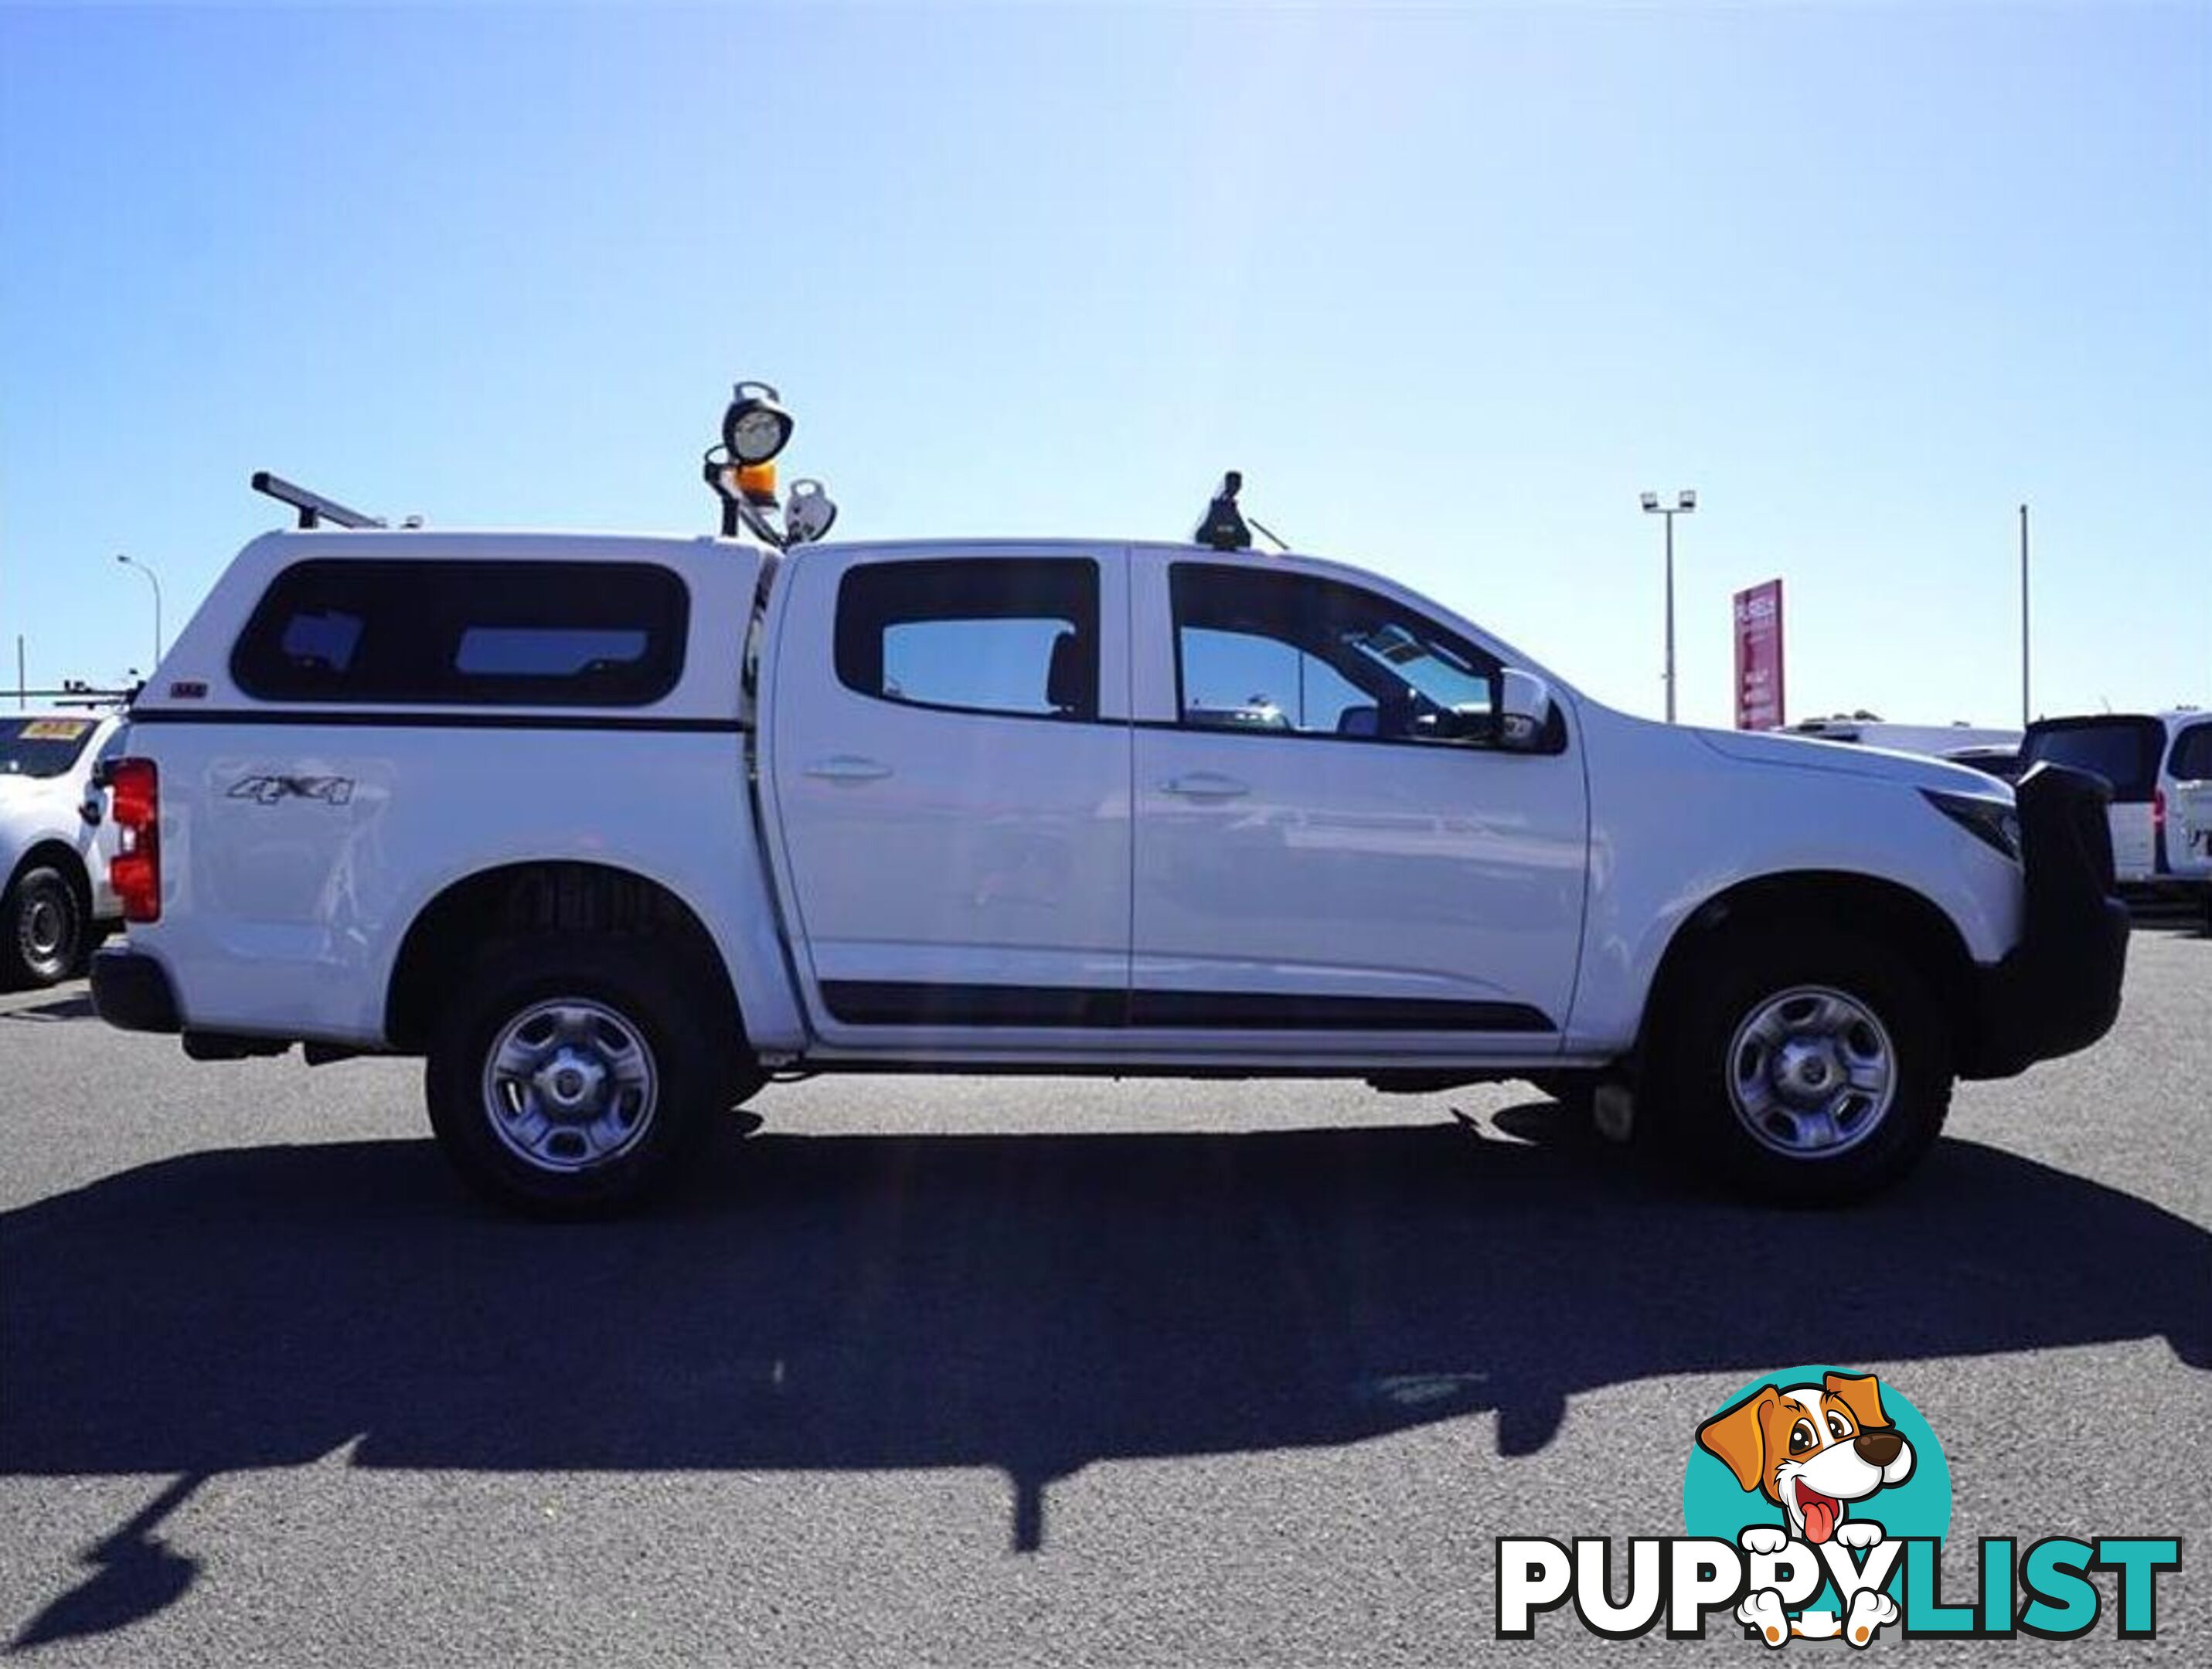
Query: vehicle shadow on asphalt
point(52, 1011)
point(1031, 1302)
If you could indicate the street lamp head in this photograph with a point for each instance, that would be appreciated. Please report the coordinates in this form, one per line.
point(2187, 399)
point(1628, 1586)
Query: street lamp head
point(1688, 501)
point(1651, 501)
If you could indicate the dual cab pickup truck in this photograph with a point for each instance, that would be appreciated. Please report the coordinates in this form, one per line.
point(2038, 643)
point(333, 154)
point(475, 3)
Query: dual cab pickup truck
point(610, 830)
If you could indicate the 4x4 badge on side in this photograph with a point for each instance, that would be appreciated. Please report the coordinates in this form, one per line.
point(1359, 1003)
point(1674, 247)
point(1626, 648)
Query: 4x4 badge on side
point(268, 790)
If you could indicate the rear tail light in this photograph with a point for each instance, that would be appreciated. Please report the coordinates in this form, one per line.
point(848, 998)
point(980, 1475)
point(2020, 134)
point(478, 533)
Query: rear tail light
point(135, 871)
point(2158, 808)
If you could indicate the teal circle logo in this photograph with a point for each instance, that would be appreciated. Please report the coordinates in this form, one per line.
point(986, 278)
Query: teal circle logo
point(1811, 1449)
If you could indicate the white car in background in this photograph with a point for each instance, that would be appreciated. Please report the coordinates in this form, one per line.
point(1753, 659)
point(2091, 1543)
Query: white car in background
point(2158, 765)
point(2186, 781)
point(56, 903)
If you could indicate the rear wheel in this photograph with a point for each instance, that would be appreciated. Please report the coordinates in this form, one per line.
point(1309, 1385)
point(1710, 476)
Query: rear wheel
point(572, 1076)
point(42, 928)
point(1800, 1065)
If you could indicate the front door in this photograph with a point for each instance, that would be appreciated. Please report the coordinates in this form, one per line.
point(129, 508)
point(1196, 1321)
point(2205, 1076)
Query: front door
point(1329, 843)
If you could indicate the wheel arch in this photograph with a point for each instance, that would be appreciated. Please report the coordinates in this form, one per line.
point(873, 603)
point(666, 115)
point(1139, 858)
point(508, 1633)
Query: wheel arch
point(62, 856)
point(541, 896)
point(1870, 906)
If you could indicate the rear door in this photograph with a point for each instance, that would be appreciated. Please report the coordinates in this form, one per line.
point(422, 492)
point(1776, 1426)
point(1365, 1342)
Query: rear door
point(2124, 749)
point(948, 747)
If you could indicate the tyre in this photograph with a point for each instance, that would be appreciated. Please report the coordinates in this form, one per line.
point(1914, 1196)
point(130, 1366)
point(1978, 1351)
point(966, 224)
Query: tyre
point(1800, 1065)
point(43, 928)
point(572, 1076)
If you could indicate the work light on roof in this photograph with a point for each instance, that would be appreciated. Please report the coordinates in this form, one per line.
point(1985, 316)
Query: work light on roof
point(756, 427)
point(742, 473)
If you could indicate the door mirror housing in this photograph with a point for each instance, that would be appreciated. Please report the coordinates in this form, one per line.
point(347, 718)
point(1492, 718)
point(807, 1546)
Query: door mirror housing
point(1525, 711)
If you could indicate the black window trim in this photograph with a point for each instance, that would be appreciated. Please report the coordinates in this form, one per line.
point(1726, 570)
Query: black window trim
point(472, 691)
point(1555, 744)
point(1098, 604)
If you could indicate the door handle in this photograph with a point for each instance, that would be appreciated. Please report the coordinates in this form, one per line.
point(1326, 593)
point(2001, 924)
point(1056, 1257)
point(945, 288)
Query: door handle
point(847, 767)
point(1204, 785)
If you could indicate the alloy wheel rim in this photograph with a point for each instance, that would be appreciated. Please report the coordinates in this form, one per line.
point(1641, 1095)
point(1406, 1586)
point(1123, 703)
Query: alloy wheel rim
point(1811, 1072)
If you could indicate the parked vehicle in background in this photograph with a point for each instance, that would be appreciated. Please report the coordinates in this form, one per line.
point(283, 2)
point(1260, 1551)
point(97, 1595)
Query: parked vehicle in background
point(56, 901)
point(2147, 757)
point(1938, 741)
point(2187, 782)
point(2001, 762)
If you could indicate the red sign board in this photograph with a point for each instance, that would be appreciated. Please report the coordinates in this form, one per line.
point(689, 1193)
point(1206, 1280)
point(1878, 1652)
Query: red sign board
point(1758, 657)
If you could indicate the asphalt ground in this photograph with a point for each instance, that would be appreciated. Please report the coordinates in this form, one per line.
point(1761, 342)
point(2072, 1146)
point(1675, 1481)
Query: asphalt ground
point(962, 1370)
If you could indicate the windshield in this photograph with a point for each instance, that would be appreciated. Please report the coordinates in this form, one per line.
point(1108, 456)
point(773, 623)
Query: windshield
point(2123, 751)
point(42, 747)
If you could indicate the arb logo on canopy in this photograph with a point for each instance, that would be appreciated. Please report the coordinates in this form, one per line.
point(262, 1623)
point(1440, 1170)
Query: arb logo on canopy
point(1817, 1501)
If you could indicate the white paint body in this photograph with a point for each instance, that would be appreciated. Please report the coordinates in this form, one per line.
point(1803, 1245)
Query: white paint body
point(46, 812)
point(843, 837)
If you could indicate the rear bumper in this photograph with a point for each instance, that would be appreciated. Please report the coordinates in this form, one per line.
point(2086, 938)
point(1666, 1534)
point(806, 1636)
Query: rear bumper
point(132, 992)
point(2058, 990)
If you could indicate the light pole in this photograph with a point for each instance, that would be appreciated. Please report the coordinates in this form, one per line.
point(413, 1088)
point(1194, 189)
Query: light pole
point(153, 579)
point(2023, 618)
point(1685, 502)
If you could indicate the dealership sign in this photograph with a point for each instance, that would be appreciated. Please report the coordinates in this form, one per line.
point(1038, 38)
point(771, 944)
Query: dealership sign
point(1758, 657)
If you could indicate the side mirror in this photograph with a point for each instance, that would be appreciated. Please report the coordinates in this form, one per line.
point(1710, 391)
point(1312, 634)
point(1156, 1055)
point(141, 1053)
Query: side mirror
point(89, 808)
point(1524, 711)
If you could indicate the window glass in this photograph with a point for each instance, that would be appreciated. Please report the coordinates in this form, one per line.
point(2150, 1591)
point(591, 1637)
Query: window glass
point(1241, 680)
point(42, 747)
point(535, 633)
point(2123, 751)
point(980, 635)
point(2192, 754)
point(324, 640)
point(556, 652)
point(1271, 652)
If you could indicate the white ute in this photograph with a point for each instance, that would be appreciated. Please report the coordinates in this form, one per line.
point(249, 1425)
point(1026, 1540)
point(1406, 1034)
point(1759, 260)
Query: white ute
point(611, 828)
point(54, 897)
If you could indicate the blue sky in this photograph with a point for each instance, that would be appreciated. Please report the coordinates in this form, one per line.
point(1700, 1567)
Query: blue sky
point(1450, 288)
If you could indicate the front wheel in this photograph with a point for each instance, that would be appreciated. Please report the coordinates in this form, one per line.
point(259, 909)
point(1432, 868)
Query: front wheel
point(572, 1076)
point(42, 929)
point(1803, 1066)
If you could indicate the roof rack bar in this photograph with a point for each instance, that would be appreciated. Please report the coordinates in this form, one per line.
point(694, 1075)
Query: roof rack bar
point(73, 695)
point(314, 509)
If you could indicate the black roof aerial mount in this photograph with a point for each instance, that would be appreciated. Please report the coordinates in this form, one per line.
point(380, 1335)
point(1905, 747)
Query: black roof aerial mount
point(1224, 526)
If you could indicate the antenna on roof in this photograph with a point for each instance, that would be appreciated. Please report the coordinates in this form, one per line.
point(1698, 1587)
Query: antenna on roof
point(314, 509)
point(1224, 527)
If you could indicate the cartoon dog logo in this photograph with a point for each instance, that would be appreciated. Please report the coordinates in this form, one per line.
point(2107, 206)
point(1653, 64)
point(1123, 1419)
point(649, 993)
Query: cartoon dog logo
point(1813, 1450)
